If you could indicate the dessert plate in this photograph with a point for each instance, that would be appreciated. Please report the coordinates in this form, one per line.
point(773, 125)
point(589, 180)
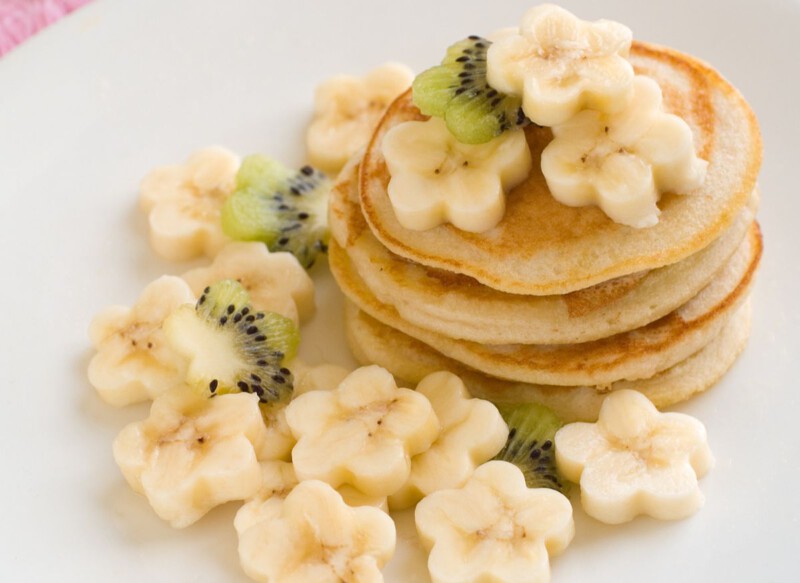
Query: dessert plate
point(91, 104)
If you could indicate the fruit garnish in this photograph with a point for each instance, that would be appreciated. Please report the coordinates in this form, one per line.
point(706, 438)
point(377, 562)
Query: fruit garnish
point(436, 179)
point(262, 173)
point(472, 432)
point(623, 162)
point(494, 528)
point(320, 377)
point(530, 445)
point(458, 92)
point(363, 433)
point(277, 480)
point(276, 282)
point(183, 204)
point(317, 537)
point(635, 460)
point(346, 111)
point(559, 64)
point(280, 441)
point(134, 361)
point(231, 347)
point(192, 454)
point(284, 209)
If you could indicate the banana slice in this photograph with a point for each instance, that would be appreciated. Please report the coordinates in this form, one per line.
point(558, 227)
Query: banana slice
point(436, 179)
point(494, 528)
point(363, 433)
point(623, 162)
point(276, 282)
point(134, 361)
point(355, 498)
point(183, 203)
point(277, 480)
point(473, 432)
point(635, 460)
point(346, 111)
point(560, 64)
point(322, 377)
point(280, 441)
point(317, 537)
point(192, 454)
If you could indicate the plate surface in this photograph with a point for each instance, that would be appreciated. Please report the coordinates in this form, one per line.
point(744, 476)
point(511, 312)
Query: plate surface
point(90, 105)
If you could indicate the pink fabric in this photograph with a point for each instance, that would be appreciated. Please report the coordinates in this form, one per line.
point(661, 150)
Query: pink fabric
point(21, 19)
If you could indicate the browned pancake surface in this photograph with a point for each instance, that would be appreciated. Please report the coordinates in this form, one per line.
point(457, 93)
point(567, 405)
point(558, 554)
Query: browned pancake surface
point(410, 360)
point(543, 247)
point(460, 307)
point(637, 354)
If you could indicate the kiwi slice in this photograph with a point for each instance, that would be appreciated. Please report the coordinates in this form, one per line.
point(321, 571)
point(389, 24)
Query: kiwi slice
point(233, 348)
point(531, 445)
point(458, 92)
point(261, 173)
point(285, 209)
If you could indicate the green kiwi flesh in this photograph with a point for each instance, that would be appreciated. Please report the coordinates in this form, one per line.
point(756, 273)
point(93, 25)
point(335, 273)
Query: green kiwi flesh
point(531, 445)
point(458, 92)
point(285, 209)
point(232, 347)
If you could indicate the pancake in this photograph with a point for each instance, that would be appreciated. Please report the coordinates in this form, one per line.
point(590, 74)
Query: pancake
point(637, 354)
point(459, 307)
point(410, 360)
point(542, 247)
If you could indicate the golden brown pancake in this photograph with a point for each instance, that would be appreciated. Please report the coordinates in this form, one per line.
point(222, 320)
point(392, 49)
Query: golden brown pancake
point(460, 307)
point(636, 354)
point(410, 360)
point(542, 247)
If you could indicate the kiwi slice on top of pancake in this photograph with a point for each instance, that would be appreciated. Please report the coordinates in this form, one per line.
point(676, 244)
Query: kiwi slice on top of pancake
point(283, 208)
point(458, 92)
point(531, 444)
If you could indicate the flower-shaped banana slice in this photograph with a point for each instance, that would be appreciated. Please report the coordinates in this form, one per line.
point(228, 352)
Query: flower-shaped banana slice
point(317, 537)
point(623, 162)
point(280, 441)
point(184, 204)
point(560, 64)
point(635, 460)
point(363, 433)
point(276, 282)
point(494, 528)
point(436, 179)
point(134, 361)
point(277, 481)
point(472, 432)
point(346, 111)
point(192, 453)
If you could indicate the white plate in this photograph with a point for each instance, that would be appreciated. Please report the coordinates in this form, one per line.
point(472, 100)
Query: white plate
point(87, 107)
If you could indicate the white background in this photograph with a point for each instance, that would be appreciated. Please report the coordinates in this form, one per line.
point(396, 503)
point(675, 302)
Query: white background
point(91, 104)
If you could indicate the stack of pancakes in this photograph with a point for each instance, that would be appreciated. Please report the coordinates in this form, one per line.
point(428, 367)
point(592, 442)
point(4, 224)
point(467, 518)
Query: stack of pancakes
point(556, 304)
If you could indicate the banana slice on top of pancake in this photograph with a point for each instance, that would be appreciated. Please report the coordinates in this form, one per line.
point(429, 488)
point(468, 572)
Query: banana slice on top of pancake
point(560, 65)
point(436, 179)
point(625, 161)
